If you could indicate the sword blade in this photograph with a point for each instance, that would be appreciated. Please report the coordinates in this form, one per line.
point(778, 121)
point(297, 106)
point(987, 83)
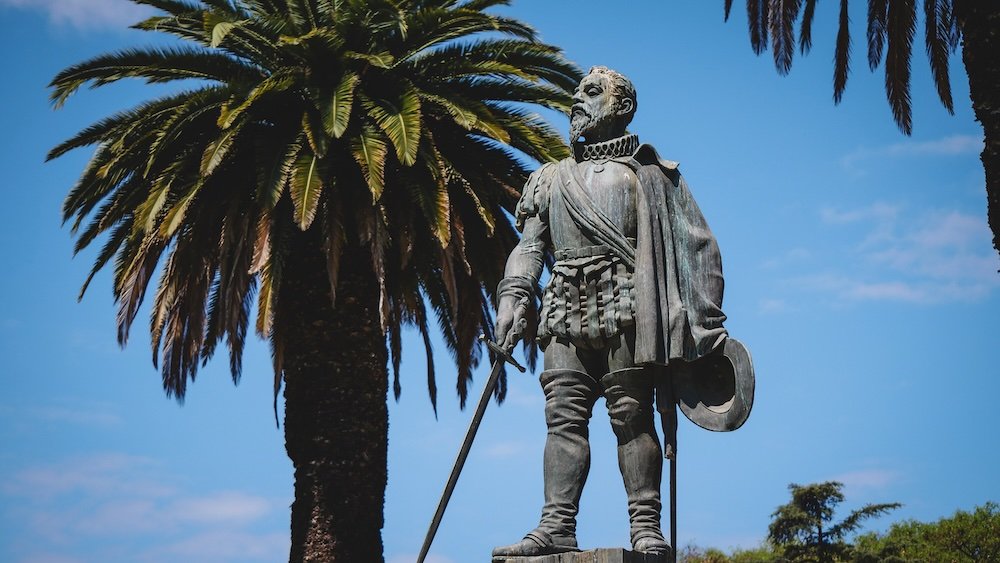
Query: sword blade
point(463, 453)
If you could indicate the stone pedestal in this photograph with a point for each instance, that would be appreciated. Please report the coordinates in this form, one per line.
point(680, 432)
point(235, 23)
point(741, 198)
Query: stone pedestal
point(603, 555)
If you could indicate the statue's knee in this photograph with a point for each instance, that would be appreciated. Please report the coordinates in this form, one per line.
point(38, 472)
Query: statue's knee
point(629, 396)
point(624, 409)
point(569, 397)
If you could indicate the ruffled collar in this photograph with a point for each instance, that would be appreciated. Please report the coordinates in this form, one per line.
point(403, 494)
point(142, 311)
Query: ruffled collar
point(625, 145)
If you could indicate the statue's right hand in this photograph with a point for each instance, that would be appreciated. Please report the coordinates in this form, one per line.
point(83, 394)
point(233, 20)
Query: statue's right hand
point(510, 315)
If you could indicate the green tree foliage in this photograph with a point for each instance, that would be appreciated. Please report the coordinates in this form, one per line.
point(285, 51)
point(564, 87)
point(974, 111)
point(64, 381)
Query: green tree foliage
point(890, 33)
point(341, 166)
point(966, 537)
point(762, 554)
point(804, 528)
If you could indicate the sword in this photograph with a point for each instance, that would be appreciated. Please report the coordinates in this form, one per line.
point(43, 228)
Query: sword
point(503, 356)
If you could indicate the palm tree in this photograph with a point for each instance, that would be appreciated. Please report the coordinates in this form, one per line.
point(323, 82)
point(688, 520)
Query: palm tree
point(343, 168)
point(973, 24)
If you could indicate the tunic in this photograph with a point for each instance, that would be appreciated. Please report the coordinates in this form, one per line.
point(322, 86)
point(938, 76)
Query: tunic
point(589, 297)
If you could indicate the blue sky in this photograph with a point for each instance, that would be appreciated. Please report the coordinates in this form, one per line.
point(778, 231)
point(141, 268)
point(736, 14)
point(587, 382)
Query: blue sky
point(859, 272)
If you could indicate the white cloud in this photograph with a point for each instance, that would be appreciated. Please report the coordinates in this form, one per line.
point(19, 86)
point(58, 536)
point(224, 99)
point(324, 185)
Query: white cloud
point(952, 144)
point(99, 474)
point(946, 146)
point(221, 545)
point(931, 257)
point(864, 482)
point(85, 14)
point(876, 211)
point(924, 292)
point(76, 416)
point(131, 508)
point(220, 508)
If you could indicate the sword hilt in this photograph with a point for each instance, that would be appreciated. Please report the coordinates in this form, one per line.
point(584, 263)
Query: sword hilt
point(501, 353)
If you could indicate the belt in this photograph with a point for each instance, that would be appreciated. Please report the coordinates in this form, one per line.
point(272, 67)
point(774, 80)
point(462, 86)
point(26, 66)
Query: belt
point(586, 251)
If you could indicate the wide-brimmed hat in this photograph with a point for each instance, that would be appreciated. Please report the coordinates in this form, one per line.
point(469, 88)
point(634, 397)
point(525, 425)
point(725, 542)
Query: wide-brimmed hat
point(716, 391)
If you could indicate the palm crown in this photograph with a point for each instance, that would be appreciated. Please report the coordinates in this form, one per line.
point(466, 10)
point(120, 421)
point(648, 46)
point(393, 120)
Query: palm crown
point(368, 123)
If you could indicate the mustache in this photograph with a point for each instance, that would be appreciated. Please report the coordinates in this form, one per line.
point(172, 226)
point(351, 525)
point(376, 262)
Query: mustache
point(579, 109)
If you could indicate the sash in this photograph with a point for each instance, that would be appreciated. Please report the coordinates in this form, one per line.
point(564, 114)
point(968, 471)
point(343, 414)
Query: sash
point(585, 213)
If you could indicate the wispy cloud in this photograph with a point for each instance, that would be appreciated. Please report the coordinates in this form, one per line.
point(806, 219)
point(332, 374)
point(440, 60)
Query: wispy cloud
point(222, 545)
point(878, 211)
point(931, 257)
point(76, 415)
point(864, 482)
point(85, 14)
point(115, 502)
point(945, 146)
point(111, 474)
point(218, 508)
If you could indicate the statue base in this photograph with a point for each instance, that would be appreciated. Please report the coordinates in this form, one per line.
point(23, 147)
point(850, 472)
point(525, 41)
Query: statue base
point(603, 555)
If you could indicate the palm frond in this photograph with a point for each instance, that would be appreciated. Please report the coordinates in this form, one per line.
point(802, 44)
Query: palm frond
point(784, 14)
point(878, 11)
point(398, 116)
point(758, 14)
point(276, 83)
point(312, 126)
point(900, 28)
point(422, 328)
point(174, 7)
point(216, 151)
point(154, 65)
point(370, 150)
point(805, 33)
point(306, 188)
point(937, 25)
point(336, 107)
point(842, 55)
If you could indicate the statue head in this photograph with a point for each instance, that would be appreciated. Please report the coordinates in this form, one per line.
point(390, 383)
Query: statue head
point(603, 106)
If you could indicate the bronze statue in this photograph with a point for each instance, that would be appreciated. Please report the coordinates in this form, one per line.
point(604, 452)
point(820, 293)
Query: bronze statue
point(633, 309)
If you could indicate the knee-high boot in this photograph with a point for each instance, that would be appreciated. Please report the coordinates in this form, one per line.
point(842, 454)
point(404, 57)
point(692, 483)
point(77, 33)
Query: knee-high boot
point(569, 401)
point(629, 395)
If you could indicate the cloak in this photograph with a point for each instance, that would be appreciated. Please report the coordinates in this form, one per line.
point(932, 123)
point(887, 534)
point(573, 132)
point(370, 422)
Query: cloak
point(678, 268)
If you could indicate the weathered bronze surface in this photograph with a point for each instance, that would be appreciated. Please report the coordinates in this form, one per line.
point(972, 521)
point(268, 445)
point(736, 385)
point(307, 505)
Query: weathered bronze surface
point(633, 310)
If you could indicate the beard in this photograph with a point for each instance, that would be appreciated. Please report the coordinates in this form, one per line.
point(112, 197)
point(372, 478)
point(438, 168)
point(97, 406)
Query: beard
point(582, 124)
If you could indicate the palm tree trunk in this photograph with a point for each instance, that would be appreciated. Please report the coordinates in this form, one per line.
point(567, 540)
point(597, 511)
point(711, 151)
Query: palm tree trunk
point(336, 419)
point(980, 23)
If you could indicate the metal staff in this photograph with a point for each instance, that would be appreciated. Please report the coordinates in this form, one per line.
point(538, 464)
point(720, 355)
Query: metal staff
point(503, 356)
point(666, 403)
point(672, 456)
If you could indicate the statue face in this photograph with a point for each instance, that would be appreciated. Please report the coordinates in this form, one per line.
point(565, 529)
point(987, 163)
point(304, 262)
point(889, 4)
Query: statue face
point(597, 112)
